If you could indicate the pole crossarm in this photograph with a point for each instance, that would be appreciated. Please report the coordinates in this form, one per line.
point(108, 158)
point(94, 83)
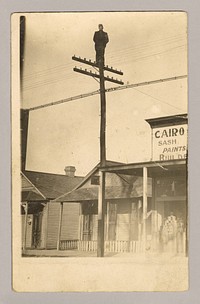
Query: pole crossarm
point(90, 73)
point(94, 64)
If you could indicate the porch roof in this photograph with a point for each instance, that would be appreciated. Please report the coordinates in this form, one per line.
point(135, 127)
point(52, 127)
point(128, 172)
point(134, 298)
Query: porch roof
point(32, 195)
point(155, 168)
point(91, 193)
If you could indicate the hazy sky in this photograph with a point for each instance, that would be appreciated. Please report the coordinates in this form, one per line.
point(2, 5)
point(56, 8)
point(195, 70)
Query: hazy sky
point(145, 46)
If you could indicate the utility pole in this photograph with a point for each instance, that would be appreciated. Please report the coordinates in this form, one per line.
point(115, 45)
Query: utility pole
point(102, 78)
point(102, 188)
point(103, 116)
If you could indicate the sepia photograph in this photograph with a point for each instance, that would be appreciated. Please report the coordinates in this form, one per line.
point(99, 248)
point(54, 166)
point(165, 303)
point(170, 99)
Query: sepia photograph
point(99, 151)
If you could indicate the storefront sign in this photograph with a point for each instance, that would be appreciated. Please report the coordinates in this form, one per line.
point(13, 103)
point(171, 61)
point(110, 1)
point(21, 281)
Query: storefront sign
point(169, 142)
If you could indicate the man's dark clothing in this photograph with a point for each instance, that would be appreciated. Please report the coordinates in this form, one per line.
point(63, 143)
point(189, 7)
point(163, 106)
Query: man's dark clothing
point(100, 40)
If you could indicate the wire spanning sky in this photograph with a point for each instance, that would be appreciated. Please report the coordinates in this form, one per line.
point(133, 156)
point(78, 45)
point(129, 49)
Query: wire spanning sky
point(145, 46)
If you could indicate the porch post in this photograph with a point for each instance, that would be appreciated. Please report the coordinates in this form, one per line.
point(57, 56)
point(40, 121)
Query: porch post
point(25, 206)
point(130, 225)
point(46, 228)
point(80, 223)
point(101, 213)
point(107, 226)
point(154, 219)
point(144, 206)
point(59, 226)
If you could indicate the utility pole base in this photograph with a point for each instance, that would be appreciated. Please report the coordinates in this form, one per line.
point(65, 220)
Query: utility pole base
point(100, 242)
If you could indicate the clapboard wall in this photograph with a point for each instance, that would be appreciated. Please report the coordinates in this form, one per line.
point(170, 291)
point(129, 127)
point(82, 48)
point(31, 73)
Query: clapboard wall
point(69, 223)
point(52, 225)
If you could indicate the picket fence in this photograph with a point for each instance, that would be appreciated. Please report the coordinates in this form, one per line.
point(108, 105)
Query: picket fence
point(110, 246)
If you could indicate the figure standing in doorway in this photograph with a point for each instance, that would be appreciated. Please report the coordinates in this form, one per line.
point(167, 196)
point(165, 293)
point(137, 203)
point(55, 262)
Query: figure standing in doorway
point(169, 231)
point(100, 39)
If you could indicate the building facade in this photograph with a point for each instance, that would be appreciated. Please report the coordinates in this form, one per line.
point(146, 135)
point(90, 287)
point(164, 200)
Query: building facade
point(123, 213)
point(37, 221)
point(146, 203)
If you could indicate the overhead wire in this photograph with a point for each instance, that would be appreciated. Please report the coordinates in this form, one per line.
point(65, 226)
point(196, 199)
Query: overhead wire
point(34, 85)
point(65, 67)
point(47, 82)
point(108, 90)
point(150, 55)
point(143, 49)
point(114, 53)
point(164, 102)
point(124, 51)
point(61, 66)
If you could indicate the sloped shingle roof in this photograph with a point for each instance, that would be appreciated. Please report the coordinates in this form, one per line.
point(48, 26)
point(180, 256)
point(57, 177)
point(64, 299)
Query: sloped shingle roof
point(29, 191)
point(90, 194)
point(94, 170)
point(52, 185)
point(129, 187)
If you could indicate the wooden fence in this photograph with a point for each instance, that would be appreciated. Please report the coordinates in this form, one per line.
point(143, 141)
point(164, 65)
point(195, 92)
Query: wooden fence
point(69, 244)
point(110, 246)
point(123, 246)
point(87, 245)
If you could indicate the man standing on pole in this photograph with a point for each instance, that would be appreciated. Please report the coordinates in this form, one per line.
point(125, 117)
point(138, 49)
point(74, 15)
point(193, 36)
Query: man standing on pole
point(100, 39)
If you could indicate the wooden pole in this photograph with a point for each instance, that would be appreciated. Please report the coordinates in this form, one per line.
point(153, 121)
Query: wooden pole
point(103, 116)
point(60, 226)
point(144, 206)
point(101, 200)
point(107, 226)
point(130, 223)
point(80, 222)
point(25, 206)
point(46, 228)
point(154, 221)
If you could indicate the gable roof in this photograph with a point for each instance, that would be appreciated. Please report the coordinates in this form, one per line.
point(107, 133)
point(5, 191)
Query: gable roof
point(29, 191)
point(91, 194)
point(87, 177)
point(95, 170)
point(118, 186)
point(51, 185)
